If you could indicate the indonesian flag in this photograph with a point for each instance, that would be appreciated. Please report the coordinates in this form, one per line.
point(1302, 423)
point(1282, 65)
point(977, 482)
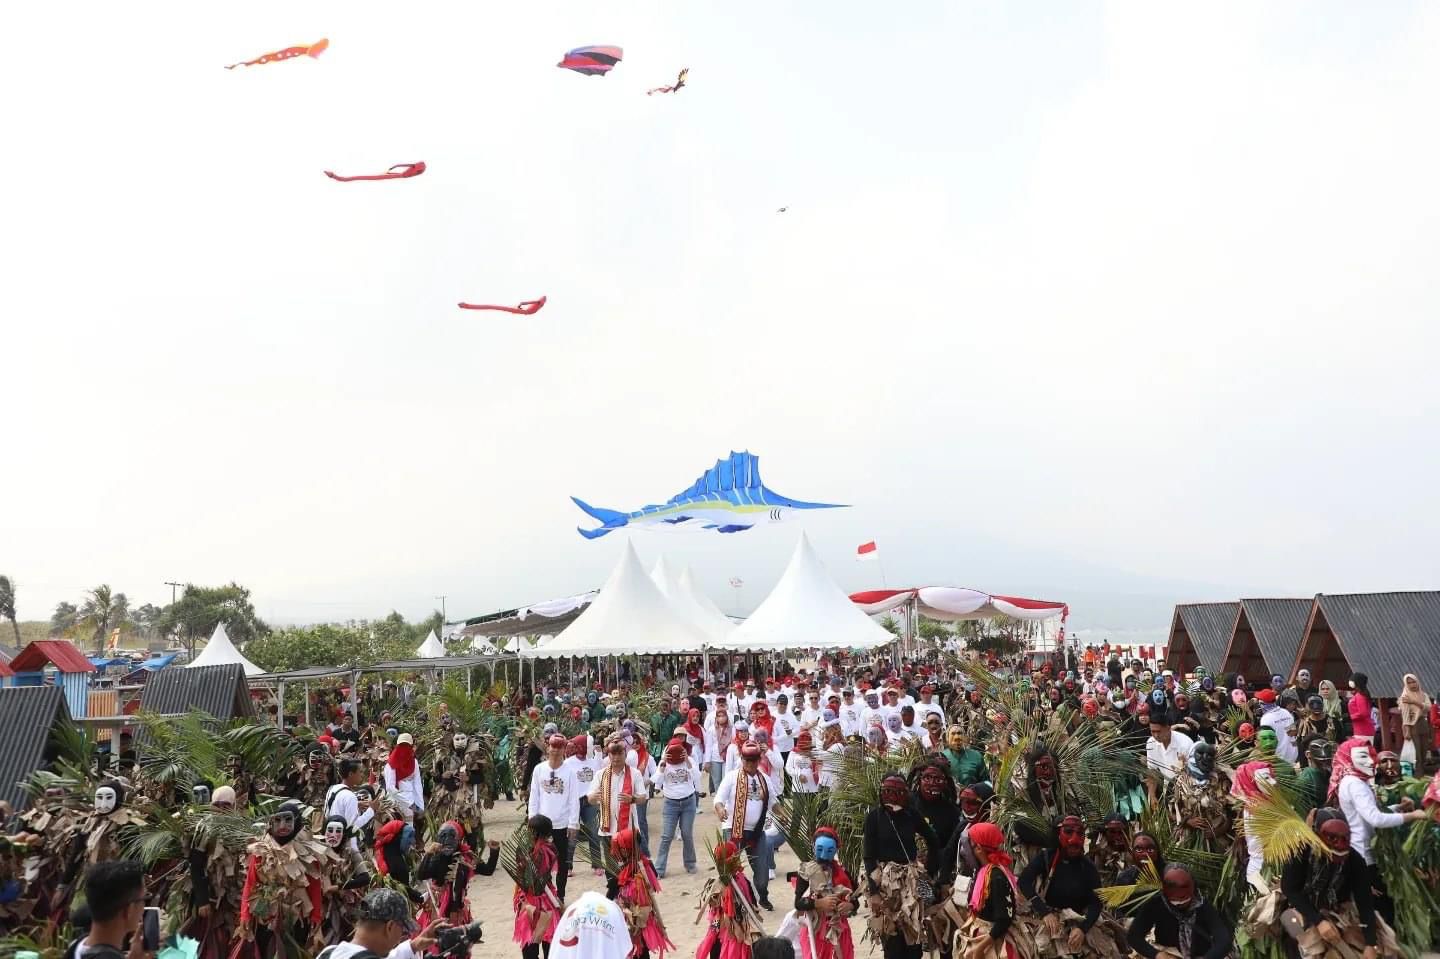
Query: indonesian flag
point(867, 551)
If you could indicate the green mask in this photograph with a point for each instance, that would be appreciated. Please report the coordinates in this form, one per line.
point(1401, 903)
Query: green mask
point(1267, 740)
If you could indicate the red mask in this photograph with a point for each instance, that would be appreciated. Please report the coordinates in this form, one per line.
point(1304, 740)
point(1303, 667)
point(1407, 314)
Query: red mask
point(932, 784)
point(1179, 887)
point(894, 792)
point(1072, 836)
point(1044, 770)
point(1335, 833)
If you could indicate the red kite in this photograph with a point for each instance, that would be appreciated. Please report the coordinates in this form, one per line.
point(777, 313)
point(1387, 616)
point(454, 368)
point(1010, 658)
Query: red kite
point(399, 171)
point(528, 308)
point(592, 61)
point(314, 50)
point(679, 82)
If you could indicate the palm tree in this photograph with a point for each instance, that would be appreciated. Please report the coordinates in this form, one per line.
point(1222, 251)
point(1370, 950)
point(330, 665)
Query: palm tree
point(102, 611)
point(7, 605)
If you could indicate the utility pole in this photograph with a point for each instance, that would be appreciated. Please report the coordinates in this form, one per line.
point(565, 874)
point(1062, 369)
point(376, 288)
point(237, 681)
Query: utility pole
point(173, 587)
point(443, 617)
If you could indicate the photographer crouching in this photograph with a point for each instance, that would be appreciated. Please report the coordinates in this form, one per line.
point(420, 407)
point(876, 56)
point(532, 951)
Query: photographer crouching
point(386, 930)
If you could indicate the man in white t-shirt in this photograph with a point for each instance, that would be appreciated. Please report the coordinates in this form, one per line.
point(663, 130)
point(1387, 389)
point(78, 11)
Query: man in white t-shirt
point(555, 794)
point(748, 828)
point(927, 705)
point(786, 726)
point(1281, 718)
point(585, 768)
point(1166, 750)
point(850, 713)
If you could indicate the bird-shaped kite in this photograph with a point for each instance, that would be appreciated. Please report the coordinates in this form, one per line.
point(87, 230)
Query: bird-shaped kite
point(399, 171)
point(528, 308)
point(782, 209)
point(679, 82)
point(313, 50)
point(592, 61)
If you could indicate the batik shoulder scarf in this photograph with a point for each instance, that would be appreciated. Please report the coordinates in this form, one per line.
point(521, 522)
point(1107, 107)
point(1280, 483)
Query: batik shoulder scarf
point(742, 799)
point(607, 786)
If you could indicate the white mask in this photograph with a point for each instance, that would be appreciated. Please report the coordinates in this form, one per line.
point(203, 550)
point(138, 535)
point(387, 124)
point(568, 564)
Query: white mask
point(461, 741)
point(105, 800)
point(334, 835)
point(1363, 761)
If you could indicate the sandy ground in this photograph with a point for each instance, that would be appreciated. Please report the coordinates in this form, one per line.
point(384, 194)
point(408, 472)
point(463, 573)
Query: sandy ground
point(679, 899)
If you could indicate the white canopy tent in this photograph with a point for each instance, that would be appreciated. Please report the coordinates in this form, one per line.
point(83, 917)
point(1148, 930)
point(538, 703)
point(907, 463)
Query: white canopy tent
point(708, 609)
point(682, 597)
point(805, 610)
point(630, 617)
point(220, 652)
point(432, 648)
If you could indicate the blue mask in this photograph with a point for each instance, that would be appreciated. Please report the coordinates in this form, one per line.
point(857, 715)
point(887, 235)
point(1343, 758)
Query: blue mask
point(407, 838)
point(392, 732)
point(825, 849)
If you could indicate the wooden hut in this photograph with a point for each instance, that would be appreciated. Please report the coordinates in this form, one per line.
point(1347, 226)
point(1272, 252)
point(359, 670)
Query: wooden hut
point(1266, 637)
point(1199, 633)
point(72, 671)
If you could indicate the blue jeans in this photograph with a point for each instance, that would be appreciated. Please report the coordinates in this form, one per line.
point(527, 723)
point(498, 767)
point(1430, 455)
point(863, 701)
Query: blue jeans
point(590, 823)
point(717, 773)
point(677, 812)
point(642, 823)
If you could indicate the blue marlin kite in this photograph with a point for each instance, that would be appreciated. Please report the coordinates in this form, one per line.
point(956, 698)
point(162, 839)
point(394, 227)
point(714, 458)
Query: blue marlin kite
point(728, 498)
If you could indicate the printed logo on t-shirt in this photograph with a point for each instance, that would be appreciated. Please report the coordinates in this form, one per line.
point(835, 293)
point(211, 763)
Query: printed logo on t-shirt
point(585, 774)
point(677, 774)
point(553, 784)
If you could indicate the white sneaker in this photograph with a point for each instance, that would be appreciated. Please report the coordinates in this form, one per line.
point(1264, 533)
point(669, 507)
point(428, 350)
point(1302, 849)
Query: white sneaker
point(772, 875)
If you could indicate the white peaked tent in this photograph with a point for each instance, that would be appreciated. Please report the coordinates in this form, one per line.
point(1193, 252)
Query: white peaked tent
point(708, 609)
point(806, 609)
point(220, 652)
point(673, 588)
point(432, 648)
point(630, 617)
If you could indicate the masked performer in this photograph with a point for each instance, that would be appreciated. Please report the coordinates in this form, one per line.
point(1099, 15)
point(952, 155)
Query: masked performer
point(449, 791)
point(1199, 801)
point(447, 865)
point(729, 902)
point(824, 901)
point(537, 911)
point(215, 879)
point(637, 887)
point(935, 797)
point(312, 776)
point(109, 815)
point(1061, 885)
point(54, 866)
point(281, 906)
point(898, 881)
point(1111, 852)
point(989, 930)
point(958, 857)
point(1183, 923)
point(346, 880)
point(1324, 901)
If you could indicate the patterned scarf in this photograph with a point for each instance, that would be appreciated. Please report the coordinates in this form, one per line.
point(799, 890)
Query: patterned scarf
point(742, 800)
point(607, 785)
point(1185, 923)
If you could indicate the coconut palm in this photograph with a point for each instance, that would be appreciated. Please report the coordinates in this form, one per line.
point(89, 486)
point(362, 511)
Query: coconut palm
point(62, 621)
point(102, 611)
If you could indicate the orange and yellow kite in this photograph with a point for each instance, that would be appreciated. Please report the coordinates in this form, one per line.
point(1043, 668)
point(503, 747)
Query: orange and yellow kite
point(313, 50)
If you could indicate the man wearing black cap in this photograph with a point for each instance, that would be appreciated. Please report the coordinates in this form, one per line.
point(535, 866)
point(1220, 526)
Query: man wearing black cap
point(384, 929)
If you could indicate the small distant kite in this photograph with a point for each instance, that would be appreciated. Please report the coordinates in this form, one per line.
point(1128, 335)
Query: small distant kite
point(592, 61)
point(528, 308)
point(728, 498)
point(314, 50)
point(782, 209)
point(399, 171)
point(679, 82)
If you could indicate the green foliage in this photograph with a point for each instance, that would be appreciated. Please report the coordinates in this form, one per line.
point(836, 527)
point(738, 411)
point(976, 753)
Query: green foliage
point(890, 625)
point(355, 644)
point(102, 611)
point(7, 605)
point(201, 608)
point(935, 632)
point(62, 621)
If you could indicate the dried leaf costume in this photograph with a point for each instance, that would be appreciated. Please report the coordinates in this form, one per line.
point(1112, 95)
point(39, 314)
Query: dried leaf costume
point(728, 903)
point(638, 886)
point(282, 901)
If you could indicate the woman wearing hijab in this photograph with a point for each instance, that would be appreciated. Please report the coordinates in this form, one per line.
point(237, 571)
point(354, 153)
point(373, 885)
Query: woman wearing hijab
point(402, 777)
point(1362, 722)
point(722, 734)
point(988, 930)
point(1415, 720)
point(1335, 709)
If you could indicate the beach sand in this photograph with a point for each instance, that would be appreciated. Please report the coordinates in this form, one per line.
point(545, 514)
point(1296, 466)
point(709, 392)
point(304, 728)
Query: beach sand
point(679, 898)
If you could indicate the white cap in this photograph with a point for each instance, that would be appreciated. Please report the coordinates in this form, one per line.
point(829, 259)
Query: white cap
point(405, 739)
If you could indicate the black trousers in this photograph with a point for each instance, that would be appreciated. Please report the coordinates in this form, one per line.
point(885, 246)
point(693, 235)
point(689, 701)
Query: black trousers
point(531, 950)
point(561, 838)
point(895, 947)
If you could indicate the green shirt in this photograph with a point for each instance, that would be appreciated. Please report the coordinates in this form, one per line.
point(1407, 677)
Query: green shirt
point(967, 767)
point(664, 728)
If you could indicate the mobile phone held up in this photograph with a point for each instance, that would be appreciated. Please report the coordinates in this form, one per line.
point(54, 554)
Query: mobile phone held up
point(150, 930)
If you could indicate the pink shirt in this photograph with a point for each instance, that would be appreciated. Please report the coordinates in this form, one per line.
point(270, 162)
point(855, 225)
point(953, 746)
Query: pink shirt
point(1360, 720)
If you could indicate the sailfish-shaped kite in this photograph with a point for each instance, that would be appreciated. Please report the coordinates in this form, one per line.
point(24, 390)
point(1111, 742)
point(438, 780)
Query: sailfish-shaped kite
point(728, 498)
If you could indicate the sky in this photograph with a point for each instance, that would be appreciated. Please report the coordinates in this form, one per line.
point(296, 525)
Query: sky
point(1121, 304)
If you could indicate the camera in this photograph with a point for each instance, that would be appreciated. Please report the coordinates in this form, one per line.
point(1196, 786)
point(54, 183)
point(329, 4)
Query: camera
point(457, 941)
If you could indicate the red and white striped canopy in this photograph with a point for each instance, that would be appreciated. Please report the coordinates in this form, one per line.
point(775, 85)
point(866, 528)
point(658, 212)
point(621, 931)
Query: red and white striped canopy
point(952, 603)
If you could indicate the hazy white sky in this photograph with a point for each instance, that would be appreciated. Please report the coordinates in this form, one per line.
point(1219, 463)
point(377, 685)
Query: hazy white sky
point(1118, 303)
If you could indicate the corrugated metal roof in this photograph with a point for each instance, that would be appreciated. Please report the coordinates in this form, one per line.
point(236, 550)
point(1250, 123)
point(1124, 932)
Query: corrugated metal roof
point(1209, 626)
point(57, 652)
point(1386, 635)
point(219, 690)
point(1279, 626)
point(27, 714)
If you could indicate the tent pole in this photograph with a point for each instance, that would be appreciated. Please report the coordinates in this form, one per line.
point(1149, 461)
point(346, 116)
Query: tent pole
point(306, 687)
point(280, 713)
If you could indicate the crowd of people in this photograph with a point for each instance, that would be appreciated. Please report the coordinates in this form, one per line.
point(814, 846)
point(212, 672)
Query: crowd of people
point(1079, 808)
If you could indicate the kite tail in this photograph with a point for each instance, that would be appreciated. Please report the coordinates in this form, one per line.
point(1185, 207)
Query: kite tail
point(611, 519)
